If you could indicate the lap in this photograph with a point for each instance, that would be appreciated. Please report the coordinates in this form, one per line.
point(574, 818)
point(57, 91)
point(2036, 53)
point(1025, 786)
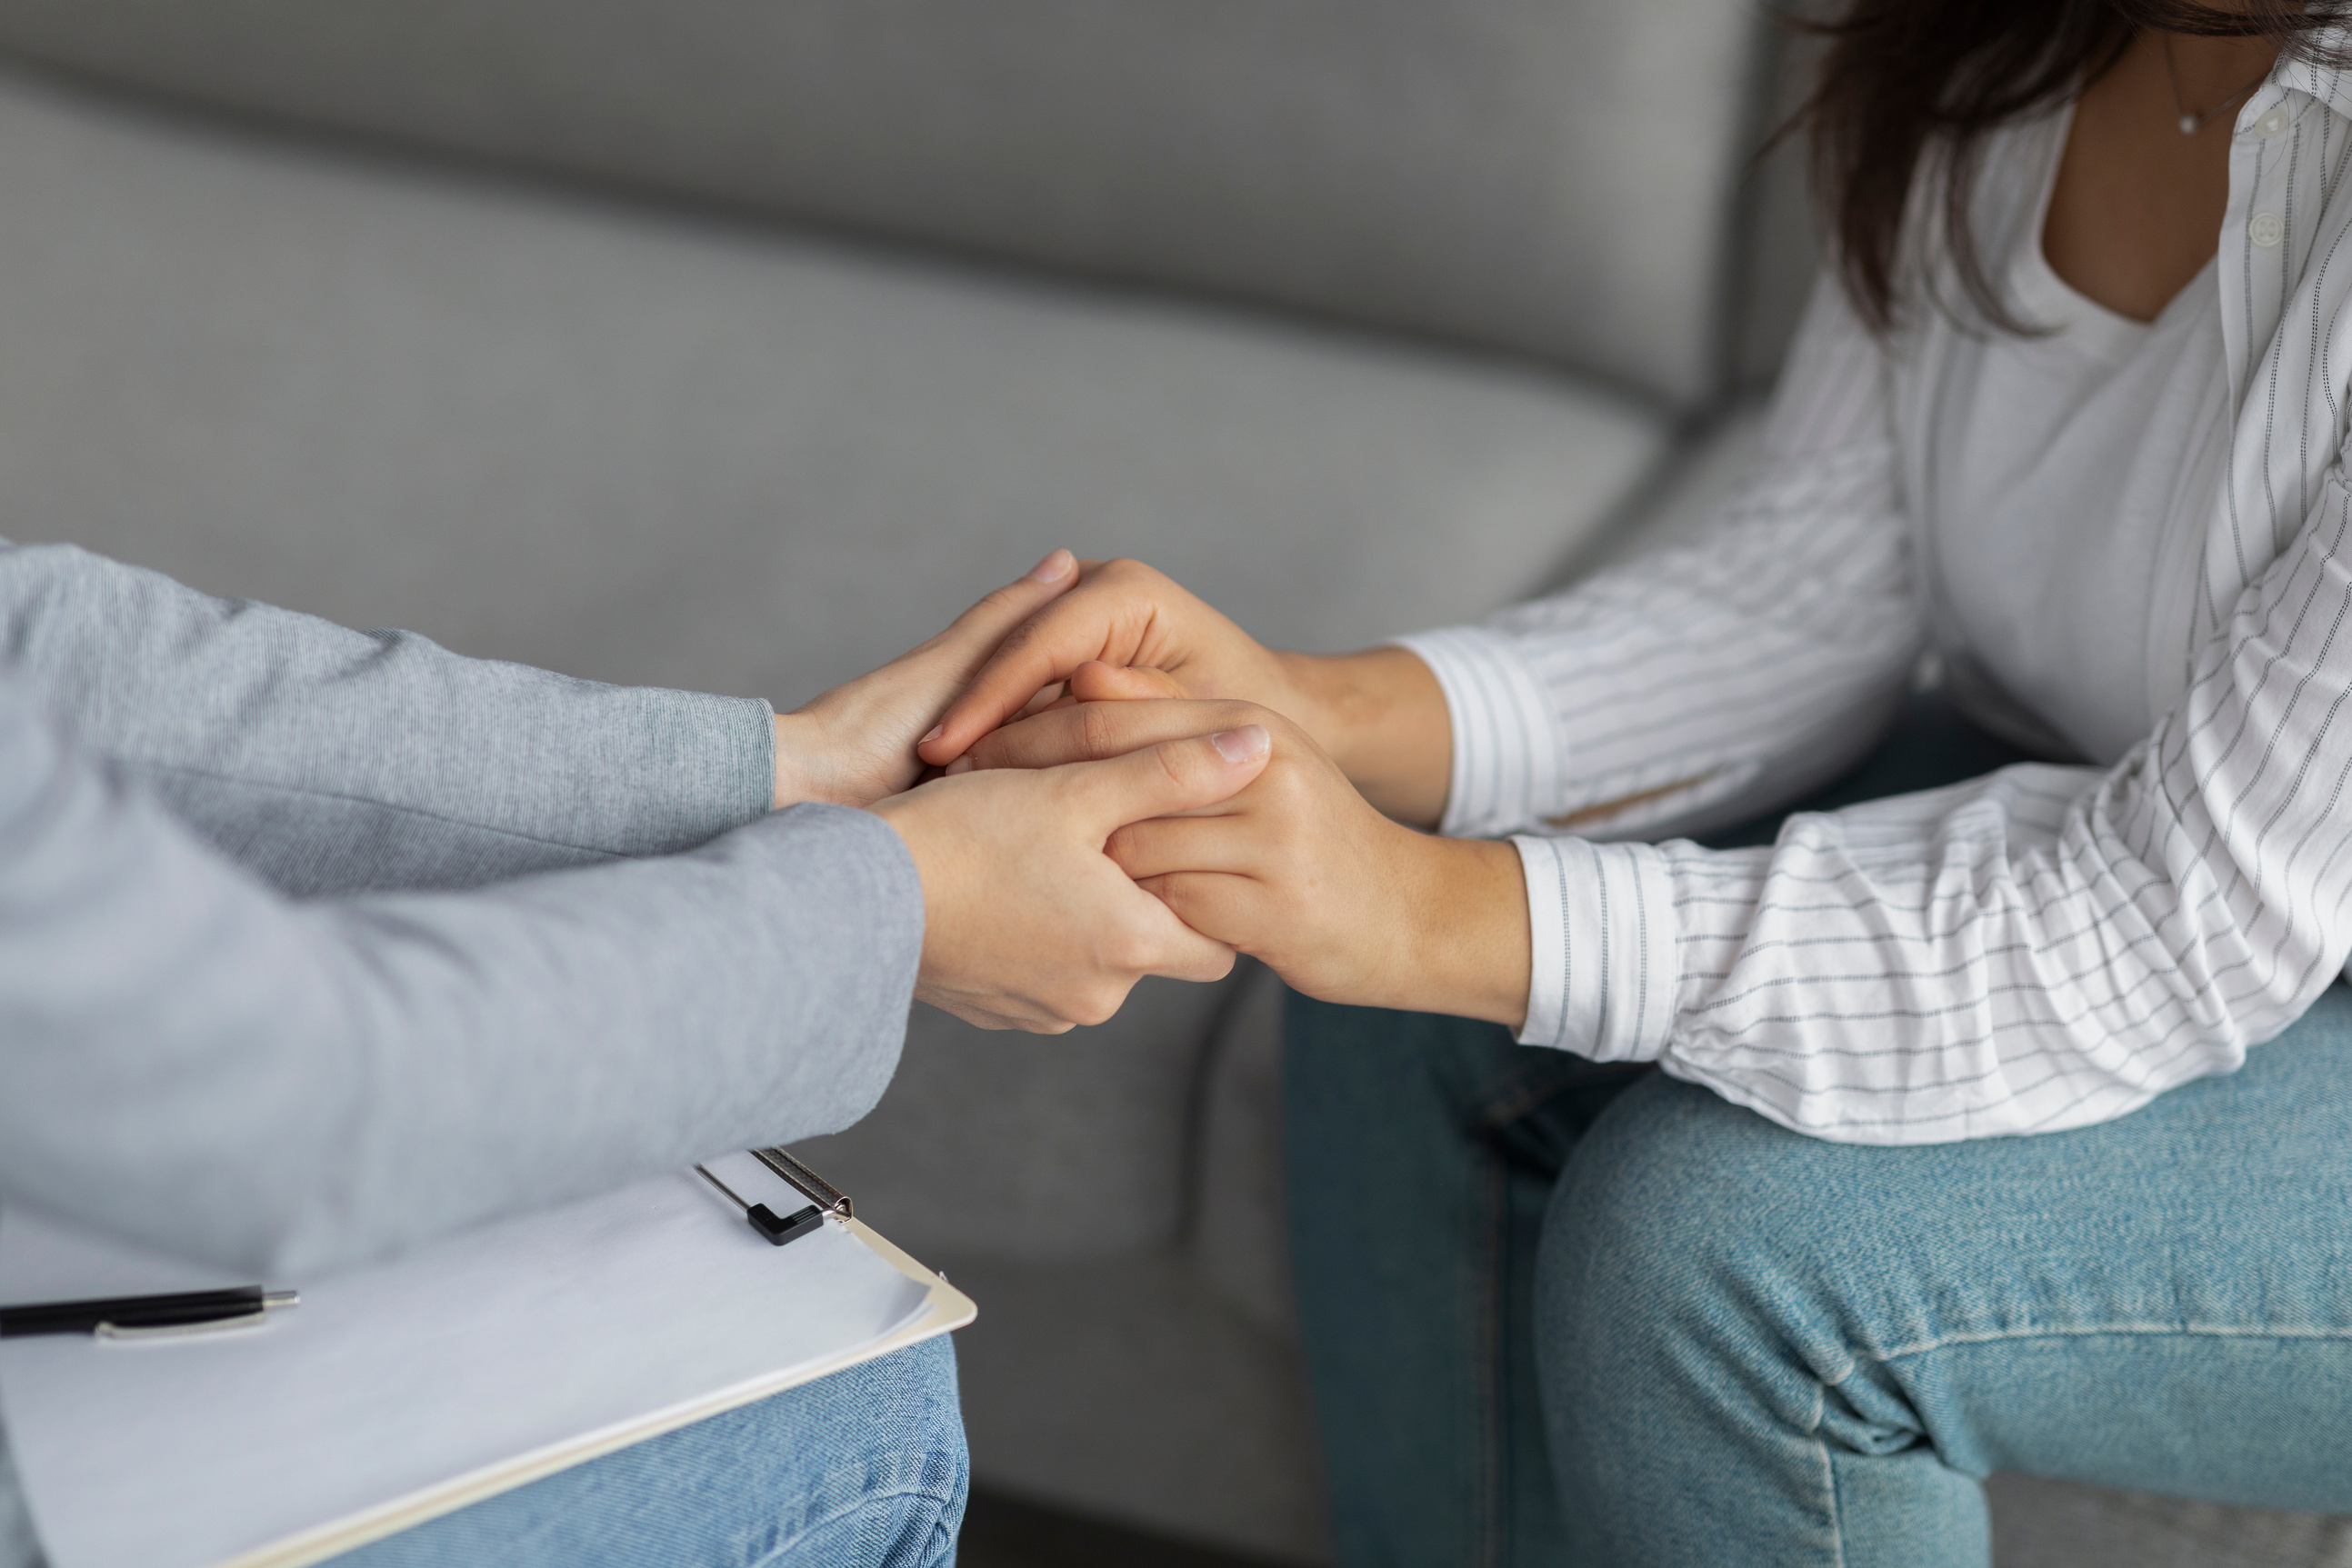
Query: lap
point(865, 1469)
point(2156, 1302)
point(2149, 1304)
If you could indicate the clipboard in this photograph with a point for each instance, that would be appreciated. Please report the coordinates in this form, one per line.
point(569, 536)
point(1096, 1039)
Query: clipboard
point(361, 1417)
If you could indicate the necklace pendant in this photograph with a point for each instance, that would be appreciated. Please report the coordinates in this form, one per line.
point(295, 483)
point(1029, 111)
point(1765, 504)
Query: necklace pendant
point(2189, 123)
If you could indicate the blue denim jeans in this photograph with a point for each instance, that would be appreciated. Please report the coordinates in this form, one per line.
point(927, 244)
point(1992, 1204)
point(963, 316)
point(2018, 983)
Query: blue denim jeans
point(1563, 1313)
point(864, 1469)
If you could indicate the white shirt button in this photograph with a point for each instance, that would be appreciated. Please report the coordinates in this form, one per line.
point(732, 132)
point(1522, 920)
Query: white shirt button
point(2266, 230)
point(2271, 124)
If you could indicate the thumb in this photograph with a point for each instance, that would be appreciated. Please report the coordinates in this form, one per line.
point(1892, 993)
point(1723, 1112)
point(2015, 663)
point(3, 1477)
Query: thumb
point(1162, 780)
point(973, 635)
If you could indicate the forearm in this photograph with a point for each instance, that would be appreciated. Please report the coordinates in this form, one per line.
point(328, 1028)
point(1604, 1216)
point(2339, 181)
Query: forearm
point(200, 1064)
point(1387, 719)
point(332, 761)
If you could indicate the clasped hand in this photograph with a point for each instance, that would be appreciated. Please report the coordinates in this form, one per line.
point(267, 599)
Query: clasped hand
point(1135, 786)
point(1027, 925)
point(1297, 868)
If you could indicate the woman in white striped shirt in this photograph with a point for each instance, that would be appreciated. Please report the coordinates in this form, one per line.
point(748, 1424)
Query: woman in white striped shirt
point(2071, 414)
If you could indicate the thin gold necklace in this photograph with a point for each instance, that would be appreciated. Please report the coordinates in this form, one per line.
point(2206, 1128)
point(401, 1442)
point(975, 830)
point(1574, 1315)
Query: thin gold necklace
point(2191, 124)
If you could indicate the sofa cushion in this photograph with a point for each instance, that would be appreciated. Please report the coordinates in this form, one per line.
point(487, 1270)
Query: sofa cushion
point(638, 448)
point(2064, 1524)
point(1034, 1148)
point(1485, 172)
point(1127, 1390)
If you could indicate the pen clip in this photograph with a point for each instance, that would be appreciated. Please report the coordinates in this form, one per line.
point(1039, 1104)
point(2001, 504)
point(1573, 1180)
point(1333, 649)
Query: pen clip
point(235, 1322)
point(134, 1333)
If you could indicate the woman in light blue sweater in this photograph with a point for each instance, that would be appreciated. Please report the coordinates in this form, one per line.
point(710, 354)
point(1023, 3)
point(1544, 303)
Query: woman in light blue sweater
point(316, 945)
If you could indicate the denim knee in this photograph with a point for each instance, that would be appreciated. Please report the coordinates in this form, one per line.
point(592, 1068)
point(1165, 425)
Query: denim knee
point(1708, 1290)
point(1704, 1268)
point(893, 1499)
point(864, 1469)
point(1687, 1243)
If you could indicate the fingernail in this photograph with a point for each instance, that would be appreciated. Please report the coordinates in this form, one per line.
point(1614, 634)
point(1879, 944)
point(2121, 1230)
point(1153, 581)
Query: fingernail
point(1054, 568)
point(1241, 745)
point(961, 764)
point(937, 730)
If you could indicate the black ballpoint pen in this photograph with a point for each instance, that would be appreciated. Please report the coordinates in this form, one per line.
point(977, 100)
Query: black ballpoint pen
point(128, 1317)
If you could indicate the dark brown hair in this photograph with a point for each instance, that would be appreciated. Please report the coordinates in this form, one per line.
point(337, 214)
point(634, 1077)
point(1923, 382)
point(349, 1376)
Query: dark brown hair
point(1909, 88)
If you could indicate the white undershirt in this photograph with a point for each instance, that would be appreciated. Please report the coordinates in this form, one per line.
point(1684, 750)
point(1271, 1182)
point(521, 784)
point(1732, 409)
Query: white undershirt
point(2068, 478)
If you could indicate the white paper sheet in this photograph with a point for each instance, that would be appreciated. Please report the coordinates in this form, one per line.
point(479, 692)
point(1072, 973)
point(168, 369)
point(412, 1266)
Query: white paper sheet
point(599, 1318)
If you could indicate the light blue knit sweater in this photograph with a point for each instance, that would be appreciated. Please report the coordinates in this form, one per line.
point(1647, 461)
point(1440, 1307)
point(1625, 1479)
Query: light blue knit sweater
point(316, 945)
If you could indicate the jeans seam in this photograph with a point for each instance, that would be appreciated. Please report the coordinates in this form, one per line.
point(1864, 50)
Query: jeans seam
point(864, 1500)
point(2150, 1330)
point(1829, 1475)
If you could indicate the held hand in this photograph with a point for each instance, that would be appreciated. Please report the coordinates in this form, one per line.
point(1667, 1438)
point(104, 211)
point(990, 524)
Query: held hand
point(856, 744)
point(1094, 682)
point(1121, 613)
point(1379, 713)
point(1300, 871)
point(1029, 924)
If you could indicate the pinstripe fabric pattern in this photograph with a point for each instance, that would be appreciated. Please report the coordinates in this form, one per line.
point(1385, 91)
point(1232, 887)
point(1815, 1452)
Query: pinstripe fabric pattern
point(2042, 948)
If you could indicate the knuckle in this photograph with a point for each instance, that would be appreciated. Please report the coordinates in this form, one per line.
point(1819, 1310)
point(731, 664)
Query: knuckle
point(1019, 639)
point(1098, 1005)
point(1098, 728)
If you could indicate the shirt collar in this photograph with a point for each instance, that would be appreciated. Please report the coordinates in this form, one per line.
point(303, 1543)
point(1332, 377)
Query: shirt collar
point(2331, 85)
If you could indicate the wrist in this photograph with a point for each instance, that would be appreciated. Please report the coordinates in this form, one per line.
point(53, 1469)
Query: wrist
point(798, 747)
point(1318, 694)
point(1381, 716)
point(1467, 949)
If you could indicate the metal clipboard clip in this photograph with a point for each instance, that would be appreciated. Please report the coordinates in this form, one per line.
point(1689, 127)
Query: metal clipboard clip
point(826, 1200)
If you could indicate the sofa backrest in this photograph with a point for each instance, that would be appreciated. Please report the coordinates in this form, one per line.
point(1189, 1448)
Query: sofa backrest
point(1555, 178)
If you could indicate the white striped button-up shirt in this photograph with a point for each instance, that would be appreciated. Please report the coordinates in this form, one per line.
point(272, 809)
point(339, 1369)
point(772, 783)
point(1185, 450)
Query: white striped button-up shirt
point(2046, 947)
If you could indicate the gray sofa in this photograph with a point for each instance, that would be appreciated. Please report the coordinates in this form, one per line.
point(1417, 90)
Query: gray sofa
point(736, 344)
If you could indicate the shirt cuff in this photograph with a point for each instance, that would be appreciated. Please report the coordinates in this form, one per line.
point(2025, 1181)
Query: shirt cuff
point(1604, 970)
point(1508, 761)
